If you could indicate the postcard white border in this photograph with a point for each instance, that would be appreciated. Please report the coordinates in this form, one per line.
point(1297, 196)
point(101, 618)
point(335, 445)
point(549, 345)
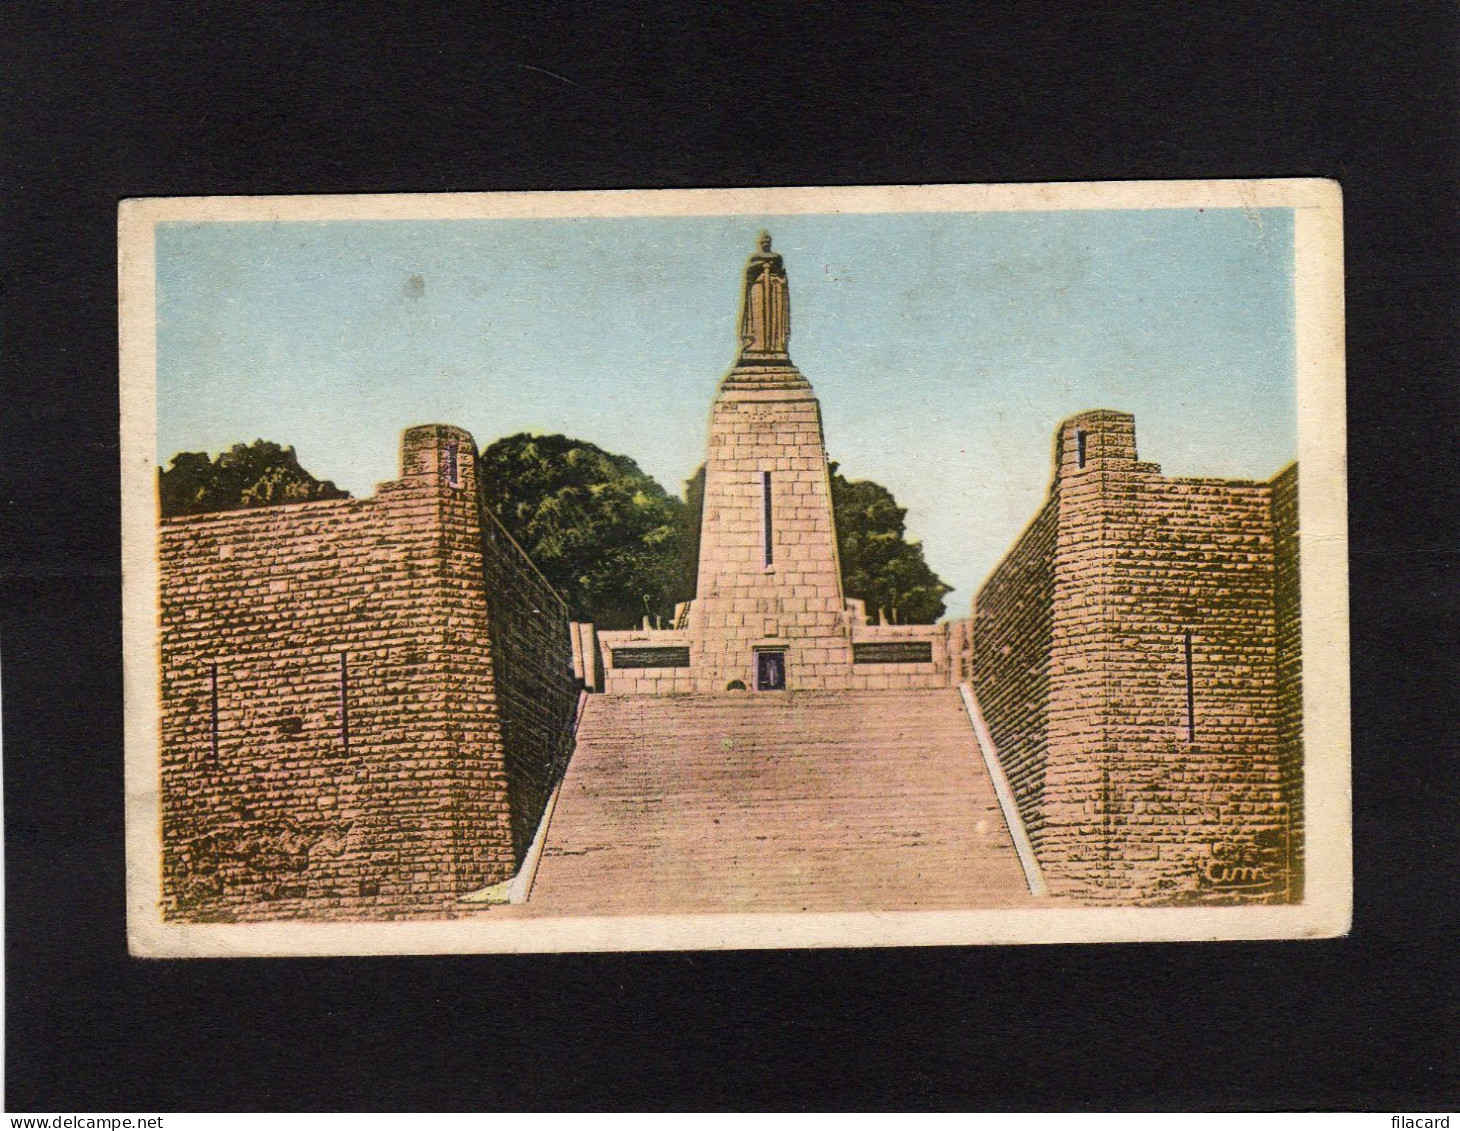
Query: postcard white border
point(1323, 534)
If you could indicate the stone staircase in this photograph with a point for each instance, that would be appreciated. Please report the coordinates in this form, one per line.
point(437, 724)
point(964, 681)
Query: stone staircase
point(815, 801)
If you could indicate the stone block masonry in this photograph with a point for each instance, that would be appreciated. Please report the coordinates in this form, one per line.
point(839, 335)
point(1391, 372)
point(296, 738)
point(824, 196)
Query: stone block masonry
point(365, 702)
point(1135, 656)
point(1012, 642)
point(614, 662)
point(768, 571)
point(1287, 608)
point(769, 613)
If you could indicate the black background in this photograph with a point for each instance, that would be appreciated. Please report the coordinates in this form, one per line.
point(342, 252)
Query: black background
point(107, 101)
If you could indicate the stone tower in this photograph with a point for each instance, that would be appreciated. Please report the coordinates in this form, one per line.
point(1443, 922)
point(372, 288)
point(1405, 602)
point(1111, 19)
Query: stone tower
point(768, 610)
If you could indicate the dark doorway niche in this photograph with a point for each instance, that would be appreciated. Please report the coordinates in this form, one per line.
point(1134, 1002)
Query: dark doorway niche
point(770, 671)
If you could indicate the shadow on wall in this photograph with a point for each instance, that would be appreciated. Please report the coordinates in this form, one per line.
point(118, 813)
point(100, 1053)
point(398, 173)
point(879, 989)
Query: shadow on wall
point(365, 702)
point(1136, 654)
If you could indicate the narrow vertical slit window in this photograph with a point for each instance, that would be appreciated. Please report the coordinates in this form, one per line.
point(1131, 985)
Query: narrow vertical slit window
point(213, 712)
point(1190, 691)
point(767, 538)
point(344, 703)
point(1080, 446)
point(453, 464)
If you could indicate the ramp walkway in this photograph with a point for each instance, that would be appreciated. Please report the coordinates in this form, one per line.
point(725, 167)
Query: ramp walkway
point(814, 801)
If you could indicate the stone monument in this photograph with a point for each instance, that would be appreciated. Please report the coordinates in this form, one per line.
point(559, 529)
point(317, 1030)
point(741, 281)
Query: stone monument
point(768, 609)
point(769, 613)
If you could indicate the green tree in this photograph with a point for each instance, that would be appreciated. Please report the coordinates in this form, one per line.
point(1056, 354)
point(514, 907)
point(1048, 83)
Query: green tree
point(608, 537)
point(879, 564)
point(261, 474)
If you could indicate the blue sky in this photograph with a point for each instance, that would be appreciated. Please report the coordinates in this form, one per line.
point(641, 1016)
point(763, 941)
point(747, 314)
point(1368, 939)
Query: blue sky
point(944, 347)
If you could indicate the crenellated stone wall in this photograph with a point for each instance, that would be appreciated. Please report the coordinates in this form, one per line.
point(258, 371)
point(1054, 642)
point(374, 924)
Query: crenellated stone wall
point(1127, 658)
point(364, 701)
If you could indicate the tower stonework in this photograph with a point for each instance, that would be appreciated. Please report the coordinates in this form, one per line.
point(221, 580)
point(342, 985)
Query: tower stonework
point(365, 701)
point(1136, 656)
point(769, 613)
point(768, 579)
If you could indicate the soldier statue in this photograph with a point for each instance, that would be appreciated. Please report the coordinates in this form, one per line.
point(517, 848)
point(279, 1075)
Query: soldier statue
point(765, 309)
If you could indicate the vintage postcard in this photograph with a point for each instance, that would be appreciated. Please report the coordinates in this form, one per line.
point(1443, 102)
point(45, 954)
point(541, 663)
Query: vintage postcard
point(724, 569)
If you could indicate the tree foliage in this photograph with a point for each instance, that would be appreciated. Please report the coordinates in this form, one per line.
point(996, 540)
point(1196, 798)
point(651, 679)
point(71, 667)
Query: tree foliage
point(261, 474)
point(879, 564)
point(608, 537)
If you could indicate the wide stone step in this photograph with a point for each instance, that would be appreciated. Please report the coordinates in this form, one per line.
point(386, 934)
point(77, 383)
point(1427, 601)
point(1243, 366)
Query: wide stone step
point(804, 801)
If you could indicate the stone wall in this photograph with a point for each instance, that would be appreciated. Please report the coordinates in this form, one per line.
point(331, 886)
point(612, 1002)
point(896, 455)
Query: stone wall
point(618, 659)
point(940, 670)
point(1144, 751)
point(535, 688)
point(619, 677)
point(1289, 661)
point(361, 700)
point(1012, 640)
